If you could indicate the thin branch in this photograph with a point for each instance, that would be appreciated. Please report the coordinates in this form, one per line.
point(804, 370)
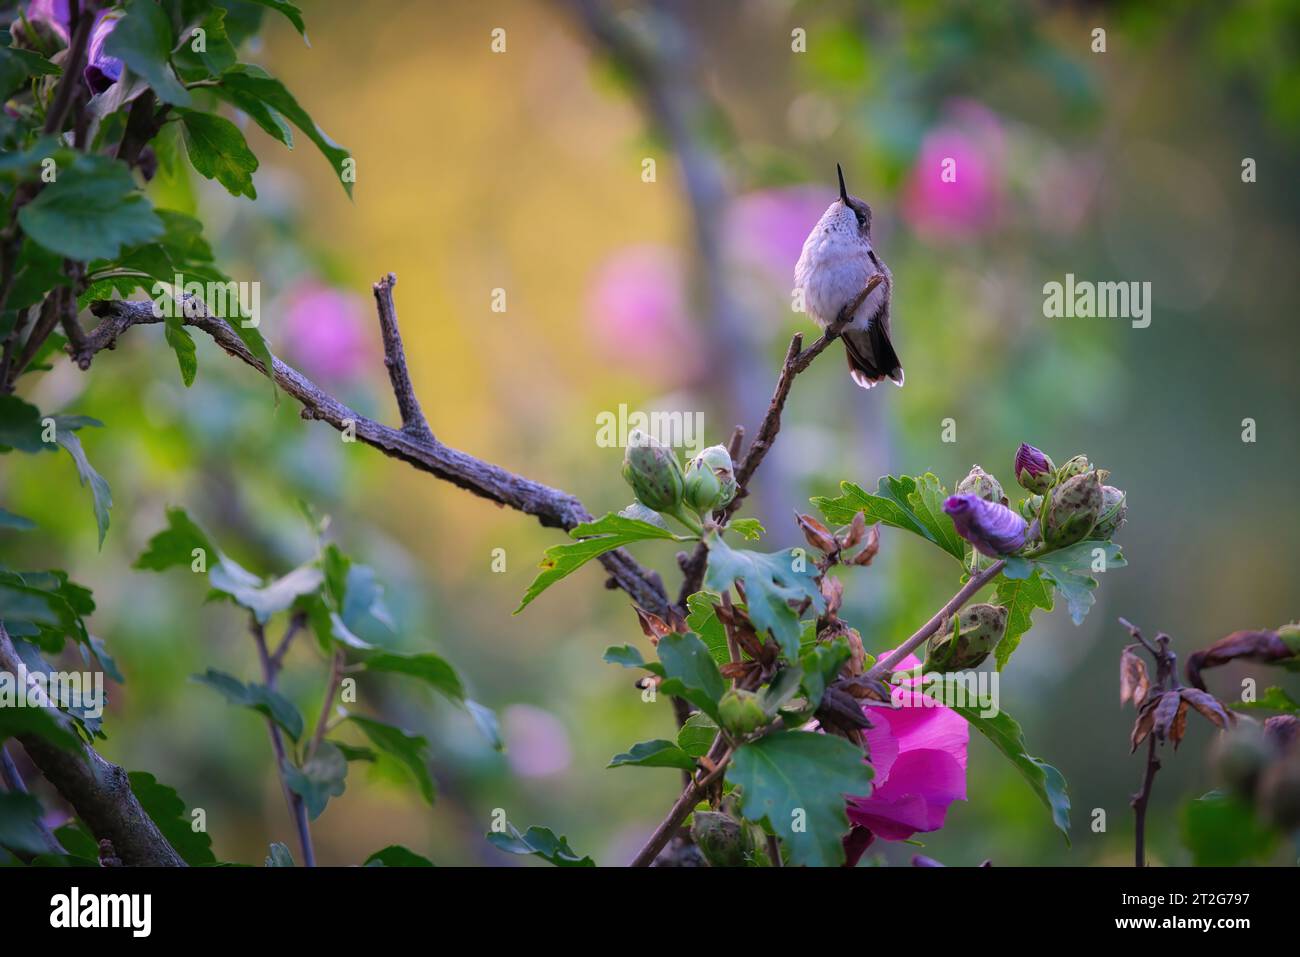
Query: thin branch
point(1140, 801)
point(331, 689)
point(98, 791)
point(73, 66)
point(941, 617)
point(297, 808)
point(552, 507)
point(796, 361)
point(395, 359)
point(677, 813)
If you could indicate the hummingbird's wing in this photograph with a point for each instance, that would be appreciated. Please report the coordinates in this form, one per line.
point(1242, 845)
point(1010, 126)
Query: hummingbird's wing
point(872, 358)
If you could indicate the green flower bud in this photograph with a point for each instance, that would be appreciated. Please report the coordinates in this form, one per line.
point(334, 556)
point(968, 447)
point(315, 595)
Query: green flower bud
point(1239, 757)
point(980, 483)
point(1279, 792)
point(1113, 510)
point(724, 841)
point(710, 482)
point(1073, 510)
point(653, 472)
point(979, 629)
point(1076, 466)
point(1030, 507)
point(740, 711)
point(1290, 635)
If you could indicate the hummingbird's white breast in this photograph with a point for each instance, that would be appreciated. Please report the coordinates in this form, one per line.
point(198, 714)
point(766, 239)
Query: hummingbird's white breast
point(834, 266)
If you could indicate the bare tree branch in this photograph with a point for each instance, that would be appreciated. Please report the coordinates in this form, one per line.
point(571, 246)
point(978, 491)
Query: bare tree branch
point(552, 507)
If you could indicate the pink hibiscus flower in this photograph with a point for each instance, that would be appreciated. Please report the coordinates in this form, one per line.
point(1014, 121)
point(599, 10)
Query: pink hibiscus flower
point(918, 751)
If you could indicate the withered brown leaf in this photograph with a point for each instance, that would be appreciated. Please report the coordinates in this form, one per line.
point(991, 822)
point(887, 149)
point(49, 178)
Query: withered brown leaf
point(1208, 706)
point(1134, 682)
point(1146, 719)
point(816, 534)
point(868, 552)
point(856, 531)
point(1261, 646)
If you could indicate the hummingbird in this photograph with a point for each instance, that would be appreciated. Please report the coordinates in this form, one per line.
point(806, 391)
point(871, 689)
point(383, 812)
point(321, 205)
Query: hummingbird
point(836, 262)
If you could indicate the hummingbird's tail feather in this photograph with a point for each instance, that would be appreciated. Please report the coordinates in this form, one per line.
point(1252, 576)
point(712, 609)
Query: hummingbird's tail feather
point(871, 356)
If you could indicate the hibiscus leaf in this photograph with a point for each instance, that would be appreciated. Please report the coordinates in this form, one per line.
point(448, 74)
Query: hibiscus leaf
point(771, 581)
point(540, 842)
point(654, 754)
point(901, 502)
point(1019, 596)
point(1071, 570)
point(797, 781)
point(690, 672)
point(1009, 738)
point(598, 537)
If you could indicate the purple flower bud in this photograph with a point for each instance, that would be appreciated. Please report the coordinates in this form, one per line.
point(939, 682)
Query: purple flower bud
point(102, 71)
point(55, 14)
point(1034, 470)
point(992, 528)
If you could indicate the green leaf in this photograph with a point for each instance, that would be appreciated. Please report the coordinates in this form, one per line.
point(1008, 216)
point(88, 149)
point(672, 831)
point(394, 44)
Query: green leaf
point(821, 664)
point(1019, 596)
point(1008, 737)
point(654, 754)
point(321, 778)
point(784, 686)
point(397, 856)
point(18, 65)
point(624, 655)
point(697, 734)
point(20, 824)
point(258, 697)
point(429, 668)
point(800, 777)
point(291, 13)
point(20, 426)
point(166, 809)
point(598, 537)
point(772, 581)
point(101, 497)
point(46, 723)
point(902, 502)
point(280, 856)
point(91, 211)
point(1273, 699)
point(9, 520)
point(143, 41)
point(410, 749)
point(247, 590)
point(218, 55)
point(246, 82)
point(541, 842)
point(702, 618)
point(1071, 569)
point(219, 151)
point(183, 345)
point(1222, 831)
point(176, 544)
point(747, 528)
point(354, 753)
point(690, 672)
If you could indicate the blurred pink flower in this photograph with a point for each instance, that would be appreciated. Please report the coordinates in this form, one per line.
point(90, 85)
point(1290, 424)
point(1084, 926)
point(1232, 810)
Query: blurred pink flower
point(971, 135)
point(325, 331)
point(537, 744)
point(918, 751)
point(636, 309)
point(767, 228)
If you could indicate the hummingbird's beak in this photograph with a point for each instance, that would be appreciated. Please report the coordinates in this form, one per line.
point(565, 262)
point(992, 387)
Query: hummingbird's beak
point(844, 193)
